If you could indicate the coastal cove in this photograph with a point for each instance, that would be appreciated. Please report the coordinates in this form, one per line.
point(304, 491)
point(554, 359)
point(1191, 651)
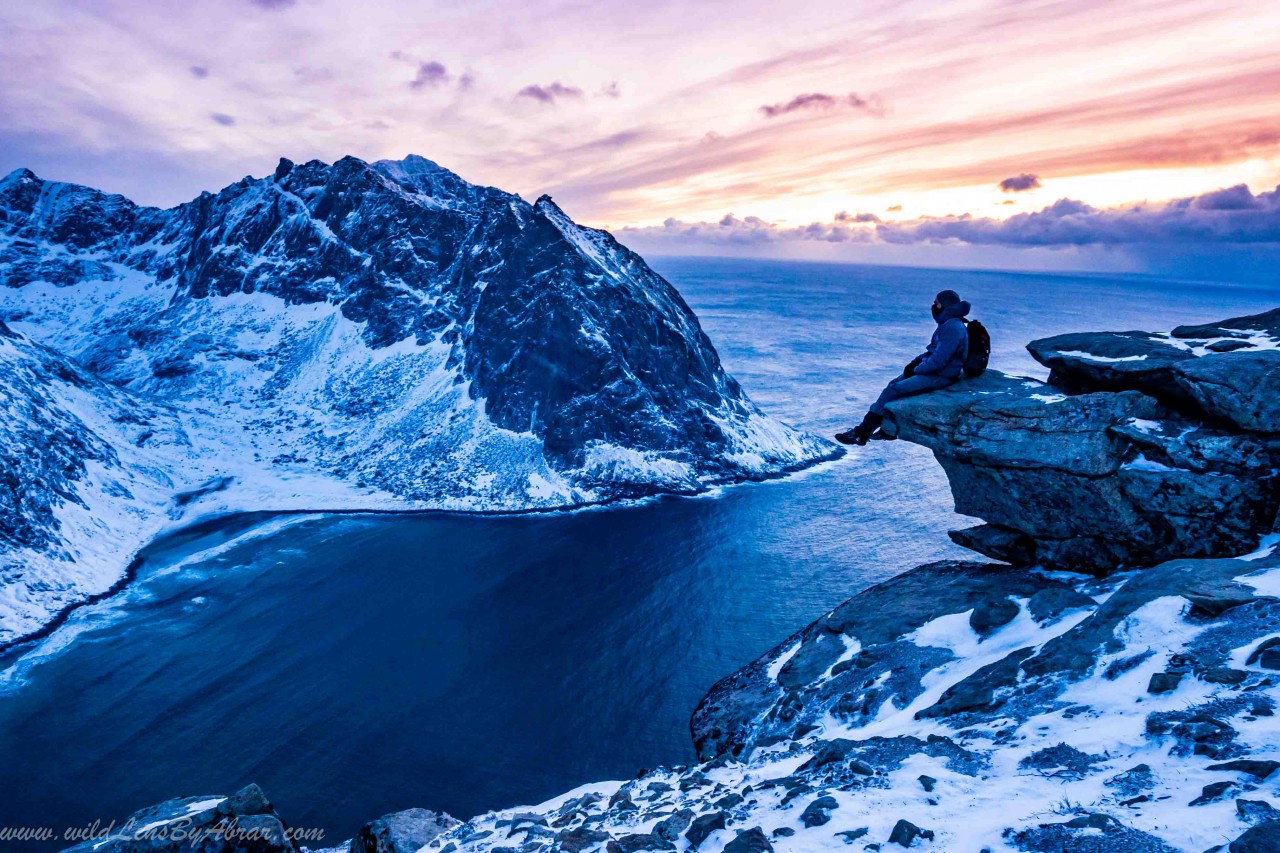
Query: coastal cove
point(358, 664)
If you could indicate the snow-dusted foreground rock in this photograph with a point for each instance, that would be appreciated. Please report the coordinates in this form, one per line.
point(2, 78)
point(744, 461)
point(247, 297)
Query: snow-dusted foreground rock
point(353, 336)
point(959, 707)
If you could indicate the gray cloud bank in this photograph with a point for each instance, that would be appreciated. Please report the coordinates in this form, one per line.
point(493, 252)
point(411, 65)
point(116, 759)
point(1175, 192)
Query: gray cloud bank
point(1228, 216)
point(429, 74)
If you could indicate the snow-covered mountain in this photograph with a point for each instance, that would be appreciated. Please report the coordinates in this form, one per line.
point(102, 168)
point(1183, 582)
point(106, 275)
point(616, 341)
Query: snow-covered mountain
point(78, 479)
point(356, 335)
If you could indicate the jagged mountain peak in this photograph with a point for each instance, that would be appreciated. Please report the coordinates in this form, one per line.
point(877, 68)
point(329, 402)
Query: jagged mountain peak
point(544, 328)
point(414, 164)
point(388, 330)
point(19, 175)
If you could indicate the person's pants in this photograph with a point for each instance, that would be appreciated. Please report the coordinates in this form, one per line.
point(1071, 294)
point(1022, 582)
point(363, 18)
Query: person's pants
point(908, 386)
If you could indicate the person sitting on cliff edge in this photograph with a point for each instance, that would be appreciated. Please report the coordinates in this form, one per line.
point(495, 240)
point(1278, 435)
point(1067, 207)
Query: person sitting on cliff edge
point(940, 365)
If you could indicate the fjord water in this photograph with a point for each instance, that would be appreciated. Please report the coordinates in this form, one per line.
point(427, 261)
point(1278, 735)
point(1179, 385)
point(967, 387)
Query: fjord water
point(359, 664)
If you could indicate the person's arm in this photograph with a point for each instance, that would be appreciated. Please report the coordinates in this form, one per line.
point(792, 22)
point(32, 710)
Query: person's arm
point(910, 369)
point(950, 338)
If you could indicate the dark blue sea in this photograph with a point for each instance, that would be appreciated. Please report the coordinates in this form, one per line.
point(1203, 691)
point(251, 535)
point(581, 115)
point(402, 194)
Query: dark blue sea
point(357, 665)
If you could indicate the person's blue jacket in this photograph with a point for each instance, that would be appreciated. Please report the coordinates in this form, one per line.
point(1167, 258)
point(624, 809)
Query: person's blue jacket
point(950, 345)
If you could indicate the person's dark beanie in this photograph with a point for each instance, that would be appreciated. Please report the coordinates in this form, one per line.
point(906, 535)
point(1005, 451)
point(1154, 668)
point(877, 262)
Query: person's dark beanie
point(947, 298)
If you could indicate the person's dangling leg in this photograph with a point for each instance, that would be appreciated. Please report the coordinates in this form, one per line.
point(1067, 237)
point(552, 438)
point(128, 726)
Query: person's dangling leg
point(903, 386)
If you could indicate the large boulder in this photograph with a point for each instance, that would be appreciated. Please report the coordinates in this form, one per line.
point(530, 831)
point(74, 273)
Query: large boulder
point(1239, 388)
point(1093, 481)
point(245, 822)
point(402, 832)
point(1112, 361)
point(1263, 838)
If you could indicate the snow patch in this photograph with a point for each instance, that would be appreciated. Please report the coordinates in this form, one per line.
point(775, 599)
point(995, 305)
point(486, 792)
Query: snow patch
point(1103, 359)
point(781, 661)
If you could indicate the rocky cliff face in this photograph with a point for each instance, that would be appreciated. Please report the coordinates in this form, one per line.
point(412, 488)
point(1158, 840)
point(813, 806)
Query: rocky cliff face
point(1140, 448)
point(1014, 710)
point(356, 335)
point(442, 341)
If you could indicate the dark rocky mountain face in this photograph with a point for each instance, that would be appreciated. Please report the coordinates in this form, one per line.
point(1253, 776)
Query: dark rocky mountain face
point(341, 336)
point(553, 329)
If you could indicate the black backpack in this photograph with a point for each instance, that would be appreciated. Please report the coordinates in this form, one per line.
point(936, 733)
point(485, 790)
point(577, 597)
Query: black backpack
point(979, 349)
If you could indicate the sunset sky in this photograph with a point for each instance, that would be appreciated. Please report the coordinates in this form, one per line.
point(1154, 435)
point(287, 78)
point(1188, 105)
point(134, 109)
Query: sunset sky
point(824, 129)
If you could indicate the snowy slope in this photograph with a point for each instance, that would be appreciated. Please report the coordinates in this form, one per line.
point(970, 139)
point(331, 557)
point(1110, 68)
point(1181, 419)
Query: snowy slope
point(90, 472)
point(78, 477)
point(388, 334)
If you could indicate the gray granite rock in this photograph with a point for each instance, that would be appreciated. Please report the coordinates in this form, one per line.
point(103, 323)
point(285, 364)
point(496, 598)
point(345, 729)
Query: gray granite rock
point(1241, 389)
point(999, 543)
point(1267, 323)
point(1112, 361)
point(749, 841)
point(1091, 482)
point(992, 614)
point(1263, 838)
point(818, 812)
point(245, 822)
point(401, 832)
point(703, 826)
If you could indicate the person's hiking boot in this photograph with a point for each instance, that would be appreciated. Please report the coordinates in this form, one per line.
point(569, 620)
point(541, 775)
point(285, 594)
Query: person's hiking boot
point(859, 434)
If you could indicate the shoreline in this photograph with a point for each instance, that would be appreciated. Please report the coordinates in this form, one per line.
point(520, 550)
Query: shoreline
point(212, 520)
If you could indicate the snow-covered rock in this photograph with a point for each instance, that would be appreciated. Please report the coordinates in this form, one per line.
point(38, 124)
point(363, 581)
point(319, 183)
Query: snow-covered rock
point(244, 822)
point(378, 335)
point(1204, 371)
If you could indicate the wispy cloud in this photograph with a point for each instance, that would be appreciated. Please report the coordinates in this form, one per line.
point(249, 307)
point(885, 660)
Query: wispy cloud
point(550, 93)
point(822, 101)
point(642, 121)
